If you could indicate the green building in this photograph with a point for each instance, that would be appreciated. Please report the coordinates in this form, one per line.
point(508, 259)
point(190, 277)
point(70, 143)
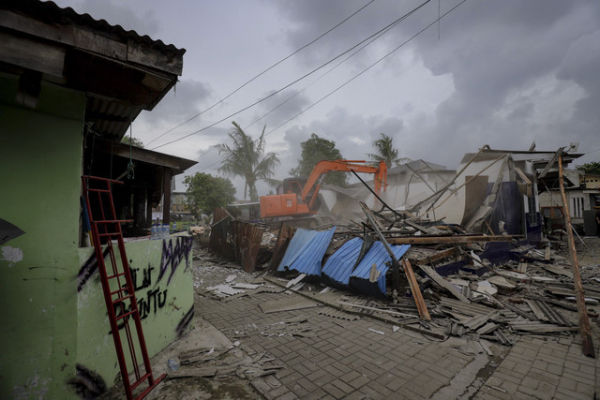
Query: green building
point(70, 86)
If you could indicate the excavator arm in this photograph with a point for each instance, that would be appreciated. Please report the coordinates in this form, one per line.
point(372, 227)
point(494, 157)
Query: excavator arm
point(323, 167)
point(293, 204)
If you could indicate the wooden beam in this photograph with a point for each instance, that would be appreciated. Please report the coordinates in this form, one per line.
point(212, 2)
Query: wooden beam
point(31, 54)
point(450, 239)
point(584, 322)
point(437, 278)
point(86, 38)
point(550, 164)
point(416, 291)
point(166, 196)
point(103, 76)
point(440, 255)
point(410, 275)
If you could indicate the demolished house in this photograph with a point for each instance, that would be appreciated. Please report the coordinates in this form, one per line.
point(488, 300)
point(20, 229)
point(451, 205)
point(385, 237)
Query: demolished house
point(466, 259)
point(492, 191)
point(70, 88)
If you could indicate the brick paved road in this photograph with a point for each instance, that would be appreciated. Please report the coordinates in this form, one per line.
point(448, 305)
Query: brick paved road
point(344, 359)
point(544, 368)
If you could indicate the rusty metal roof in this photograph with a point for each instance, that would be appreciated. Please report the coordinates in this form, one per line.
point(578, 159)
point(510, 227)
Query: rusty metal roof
point(49, 11)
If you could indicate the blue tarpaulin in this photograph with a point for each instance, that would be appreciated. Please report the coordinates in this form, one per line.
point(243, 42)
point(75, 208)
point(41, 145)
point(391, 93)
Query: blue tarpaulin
point(306, 250)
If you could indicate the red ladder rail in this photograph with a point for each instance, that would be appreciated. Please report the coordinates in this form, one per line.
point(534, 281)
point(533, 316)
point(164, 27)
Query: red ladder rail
point(102, 214)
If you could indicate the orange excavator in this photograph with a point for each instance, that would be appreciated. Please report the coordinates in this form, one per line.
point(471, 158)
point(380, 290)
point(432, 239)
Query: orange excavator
point(299, 200)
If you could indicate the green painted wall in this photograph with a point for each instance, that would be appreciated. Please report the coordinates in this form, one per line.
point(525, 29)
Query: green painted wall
point(48, 325)
point(40, 165)
point(163, 303)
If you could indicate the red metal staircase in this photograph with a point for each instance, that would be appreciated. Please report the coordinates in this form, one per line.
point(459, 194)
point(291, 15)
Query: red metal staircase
point(119, 293)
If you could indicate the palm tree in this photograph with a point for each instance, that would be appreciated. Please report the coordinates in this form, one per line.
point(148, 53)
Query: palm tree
point(246, 158)
point(385, 151)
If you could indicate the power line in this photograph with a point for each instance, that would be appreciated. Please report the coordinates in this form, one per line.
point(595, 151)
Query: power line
point(400, 19)
point(264, 71)
point(367, 68)
point(319, 78)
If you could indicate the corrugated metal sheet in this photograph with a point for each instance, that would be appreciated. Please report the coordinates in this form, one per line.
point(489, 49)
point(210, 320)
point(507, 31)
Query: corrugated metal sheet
point(52, 13)
point(339, 265)
point(377, 255)
point(306, 250)
point(300, 239)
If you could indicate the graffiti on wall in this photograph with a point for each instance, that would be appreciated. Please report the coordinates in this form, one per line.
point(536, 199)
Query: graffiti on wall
point(172, 256)
point(87, 383)
point(184, 322)
point(149, 296)
point(89, 267)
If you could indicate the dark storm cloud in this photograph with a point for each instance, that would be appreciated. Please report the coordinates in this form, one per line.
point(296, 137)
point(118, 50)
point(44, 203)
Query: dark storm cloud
point(491, 50)
point(353, 134)
point(118, 13)
point(279, 108)
point(182, 102)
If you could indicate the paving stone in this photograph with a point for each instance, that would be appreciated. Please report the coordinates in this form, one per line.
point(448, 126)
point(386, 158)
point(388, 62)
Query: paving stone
point(333, 391)
point(543, 376)
point(359, 382)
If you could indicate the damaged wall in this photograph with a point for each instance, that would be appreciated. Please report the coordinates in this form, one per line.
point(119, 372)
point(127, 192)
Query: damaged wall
point(162, 274)
point(40, 156)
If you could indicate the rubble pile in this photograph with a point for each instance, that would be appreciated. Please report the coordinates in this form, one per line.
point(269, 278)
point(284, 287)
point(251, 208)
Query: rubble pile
point(482, 287)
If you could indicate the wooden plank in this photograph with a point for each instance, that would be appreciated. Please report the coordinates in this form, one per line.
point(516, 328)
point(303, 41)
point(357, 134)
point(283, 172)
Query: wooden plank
point(550, 164)
point(30, 54)
point(437, 278)
point(410, 275)
point(449, 239)
point(584, 322)
point(416, 291)
point(101, 43)
point(440, 255)
point(286, 232)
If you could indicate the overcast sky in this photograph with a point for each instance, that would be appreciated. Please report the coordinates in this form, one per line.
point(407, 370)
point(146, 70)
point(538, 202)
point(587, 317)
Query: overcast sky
point(502, 73)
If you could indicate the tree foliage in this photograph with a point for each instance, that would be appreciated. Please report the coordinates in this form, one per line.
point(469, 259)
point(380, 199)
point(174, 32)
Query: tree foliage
point(207, 192)
point(385, 151)
point(247, 158)
point(318, 149)
point(592, 168)
point(133, 141)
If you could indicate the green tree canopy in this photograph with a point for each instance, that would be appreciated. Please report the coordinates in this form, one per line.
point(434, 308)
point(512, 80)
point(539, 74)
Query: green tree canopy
point(592, 168)
point(207, 192)
point(318, 149)
point(247, 158)
point(131, 140)
point(385, 151)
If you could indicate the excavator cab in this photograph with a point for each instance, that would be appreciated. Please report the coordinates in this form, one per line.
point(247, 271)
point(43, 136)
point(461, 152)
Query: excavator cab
point(287, 202)
point(299, 197)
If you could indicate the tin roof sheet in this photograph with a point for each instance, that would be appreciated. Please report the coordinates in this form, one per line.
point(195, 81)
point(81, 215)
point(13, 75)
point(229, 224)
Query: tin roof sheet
point(339, 265)
point(379, 256)
point(306, 250)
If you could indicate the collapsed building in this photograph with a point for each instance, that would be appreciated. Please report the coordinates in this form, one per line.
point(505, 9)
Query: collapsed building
point(492, 191)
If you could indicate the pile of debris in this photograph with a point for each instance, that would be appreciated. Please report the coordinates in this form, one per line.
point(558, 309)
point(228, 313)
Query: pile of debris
point(485, 285)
